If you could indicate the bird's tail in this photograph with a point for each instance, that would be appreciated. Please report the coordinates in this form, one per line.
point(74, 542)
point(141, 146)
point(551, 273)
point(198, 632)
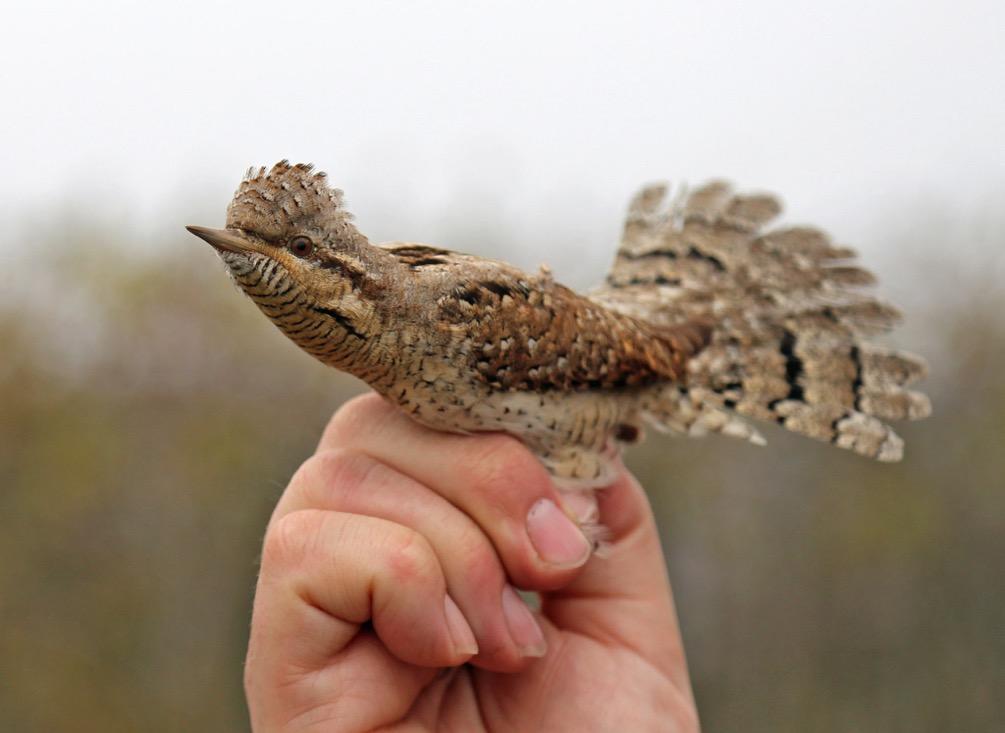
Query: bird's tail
point(789, 322)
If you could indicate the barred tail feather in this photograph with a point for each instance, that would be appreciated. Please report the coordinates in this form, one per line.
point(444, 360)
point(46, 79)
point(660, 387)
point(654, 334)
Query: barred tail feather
point(790, 322)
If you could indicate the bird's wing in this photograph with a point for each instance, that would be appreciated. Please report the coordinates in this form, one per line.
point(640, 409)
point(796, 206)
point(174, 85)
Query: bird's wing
point(527, 332)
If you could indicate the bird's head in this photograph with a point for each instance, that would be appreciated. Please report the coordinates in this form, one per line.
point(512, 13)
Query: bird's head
point(292, 247)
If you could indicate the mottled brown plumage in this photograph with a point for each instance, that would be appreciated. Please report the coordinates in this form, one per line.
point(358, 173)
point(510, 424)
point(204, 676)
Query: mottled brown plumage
point(790, 318)
point(537, 335)
point(704, 318)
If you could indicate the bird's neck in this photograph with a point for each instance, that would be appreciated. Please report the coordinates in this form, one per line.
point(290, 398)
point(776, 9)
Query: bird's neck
point(358, 329)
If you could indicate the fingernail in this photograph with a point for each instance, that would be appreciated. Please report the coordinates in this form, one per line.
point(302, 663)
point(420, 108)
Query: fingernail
point(556, 538)
point(582, 505)
point(460, 632)
point(523, 626)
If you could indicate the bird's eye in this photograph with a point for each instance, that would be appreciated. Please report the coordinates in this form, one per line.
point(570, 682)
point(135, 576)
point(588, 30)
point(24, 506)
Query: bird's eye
point(301, 246)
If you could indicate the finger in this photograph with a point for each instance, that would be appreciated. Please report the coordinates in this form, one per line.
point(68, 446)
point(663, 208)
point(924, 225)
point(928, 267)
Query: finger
point(366, 690)
point(625, 597)
point(353, 482)
point(325, 573)
point(491, 477)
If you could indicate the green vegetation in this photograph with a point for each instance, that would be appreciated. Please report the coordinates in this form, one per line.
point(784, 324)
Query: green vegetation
point(150, 418)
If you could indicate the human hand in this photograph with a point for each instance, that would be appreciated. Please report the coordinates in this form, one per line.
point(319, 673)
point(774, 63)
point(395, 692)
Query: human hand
point(385, 599)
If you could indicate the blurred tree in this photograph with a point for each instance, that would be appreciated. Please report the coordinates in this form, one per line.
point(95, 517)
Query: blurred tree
point(150, 419)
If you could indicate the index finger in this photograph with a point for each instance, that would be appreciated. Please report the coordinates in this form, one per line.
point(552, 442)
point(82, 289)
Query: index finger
point(491, 477)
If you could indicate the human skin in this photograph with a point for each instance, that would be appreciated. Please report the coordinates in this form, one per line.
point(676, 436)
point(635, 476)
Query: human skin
point(385, 599)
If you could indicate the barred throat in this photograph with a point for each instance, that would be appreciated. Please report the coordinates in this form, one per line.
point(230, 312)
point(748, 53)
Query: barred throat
point(325, 333)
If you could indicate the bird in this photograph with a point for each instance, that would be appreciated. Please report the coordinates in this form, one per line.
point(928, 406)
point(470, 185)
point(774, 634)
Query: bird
point(708, 321)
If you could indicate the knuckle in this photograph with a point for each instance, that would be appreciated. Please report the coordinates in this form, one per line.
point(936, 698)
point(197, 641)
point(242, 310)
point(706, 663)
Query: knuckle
point(409, 555)
point(499, 462)
point(290, 538)
point(480, 566)
point(330, 474)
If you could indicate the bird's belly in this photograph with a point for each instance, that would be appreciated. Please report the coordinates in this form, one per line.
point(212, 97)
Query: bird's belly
point(574, 434)
point(552, 417)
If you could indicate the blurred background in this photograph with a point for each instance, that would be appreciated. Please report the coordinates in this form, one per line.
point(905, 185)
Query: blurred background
point(150, 417)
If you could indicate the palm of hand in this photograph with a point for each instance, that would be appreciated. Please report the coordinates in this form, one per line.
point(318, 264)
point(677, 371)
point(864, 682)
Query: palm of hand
point(582, 685)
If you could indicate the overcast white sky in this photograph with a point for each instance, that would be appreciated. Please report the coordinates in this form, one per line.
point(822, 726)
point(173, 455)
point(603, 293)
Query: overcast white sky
point(526, 121)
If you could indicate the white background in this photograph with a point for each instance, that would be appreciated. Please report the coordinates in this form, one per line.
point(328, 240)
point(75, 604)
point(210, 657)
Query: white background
point(517, 128)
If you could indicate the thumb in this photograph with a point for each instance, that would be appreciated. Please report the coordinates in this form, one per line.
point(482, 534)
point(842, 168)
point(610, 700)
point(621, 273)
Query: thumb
point(624, 597)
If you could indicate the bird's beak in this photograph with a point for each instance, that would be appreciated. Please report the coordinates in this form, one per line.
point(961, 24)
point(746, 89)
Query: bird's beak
point(227, 240)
